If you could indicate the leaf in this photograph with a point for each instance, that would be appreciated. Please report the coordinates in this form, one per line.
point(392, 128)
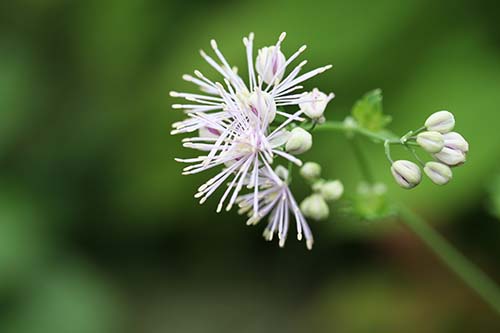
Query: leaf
point(368, 111)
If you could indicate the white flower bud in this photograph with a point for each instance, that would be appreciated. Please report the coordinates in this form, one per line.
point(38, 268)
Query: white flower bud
point(332, 190)
point(455, 141)
point(439, 173)
point(281, 172)
point(310, 170)
point(262, 105)
point(441, 121)
point(299, 142)
point(407, 174)
point(315, 207)
point(431, 141)
point(269, 62)
point(450, 156)
point(315, 103)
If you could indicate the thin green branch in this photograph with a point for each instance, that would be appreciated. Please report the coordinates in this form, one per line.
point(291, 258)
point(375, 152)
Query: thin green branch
point(450, 256)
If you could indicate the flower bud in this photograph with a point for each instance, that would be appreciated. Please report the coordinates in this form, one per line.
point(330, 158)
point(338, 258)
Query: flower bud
point(439, 173)
point(310, 170)
point(299, 142)
point(269, 62)
point(315, 103)
point(455, 141)
point(441, 121)
point(450, 156)
point(332, 190)
point(281, 172)
point(262, 105)
point(431, 141)
point(315, 207)
point(407, 174)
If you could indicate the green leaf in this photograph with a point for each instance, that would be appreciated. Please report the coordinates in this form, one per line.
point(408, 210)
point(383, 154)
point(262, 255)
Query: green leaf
point(368, 111)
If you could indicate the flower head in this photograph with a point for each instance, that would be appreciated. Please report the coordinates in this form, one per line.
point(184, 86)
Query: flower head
point(236, 128)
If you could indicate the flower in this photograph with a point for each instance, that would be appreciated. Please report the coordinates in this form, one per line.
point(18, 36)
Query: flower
point(441, 121)
point(315, 103)
point(235, 128)
point(406, 173)
point(277, 201)
point(439, 173)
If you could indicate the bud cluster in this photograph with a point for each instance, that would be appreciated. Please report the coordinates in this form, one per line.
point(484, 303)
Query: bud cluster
point(315, 206)
point(449, 149)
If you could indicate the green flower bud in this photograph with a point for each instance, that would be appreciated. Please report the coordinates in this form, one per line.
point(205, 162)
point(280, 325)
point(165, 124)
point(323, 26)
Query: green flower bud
point(441, 121)
point(431, 141)
point(332, 190)
point(281, 172)
point(315, 207)
point(310, 170)
point(439, 173)
point(407, 174)
point(299, 141)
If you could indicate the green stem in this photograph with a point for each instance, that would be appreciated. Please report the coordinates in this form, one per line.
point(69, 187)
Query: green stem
point(450, 256)
point(362, 162)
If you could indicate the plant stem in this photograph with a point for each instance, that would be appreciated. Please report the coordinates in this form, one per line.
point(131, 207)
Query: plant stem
point(450, 256)
point(362, 162)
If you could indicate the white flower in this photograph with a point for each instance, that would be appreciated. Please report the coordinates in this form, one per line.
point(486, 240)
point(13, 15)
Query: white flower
point(277, 201)
point(233, 120)
point(315, 103)
point(406, 173)
point(439, 173)
point(441, 121)
point(222, 101)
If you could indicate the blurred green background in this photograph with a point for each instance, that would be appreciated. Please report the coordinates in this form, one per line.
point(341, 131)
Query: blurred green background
point(100, 233)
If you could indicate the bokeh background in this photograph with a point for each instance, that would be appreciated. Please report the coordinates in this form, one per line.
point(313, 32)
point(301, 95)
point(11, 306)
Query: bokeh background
point(100, 233)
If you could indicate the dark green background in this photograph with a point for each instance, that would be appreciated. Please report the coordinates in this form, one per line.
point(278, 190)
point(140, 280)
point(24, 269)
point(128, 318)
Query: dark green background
point(100, 233)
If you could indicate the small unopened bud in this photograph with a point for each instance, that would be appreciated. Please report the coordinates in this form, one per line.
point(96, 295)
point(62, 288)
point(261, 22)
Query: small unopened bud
point(441, 121)
point(332, 190)
point(439, 173)
point(450, 156)
point(407, 174)
point(315, 103)
point(310, 170)
point(281, 172)
point(455, 141)
point(315, 207)
point(262, 105)
point(269, 63)
point(299, 142)
point(431, 141)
